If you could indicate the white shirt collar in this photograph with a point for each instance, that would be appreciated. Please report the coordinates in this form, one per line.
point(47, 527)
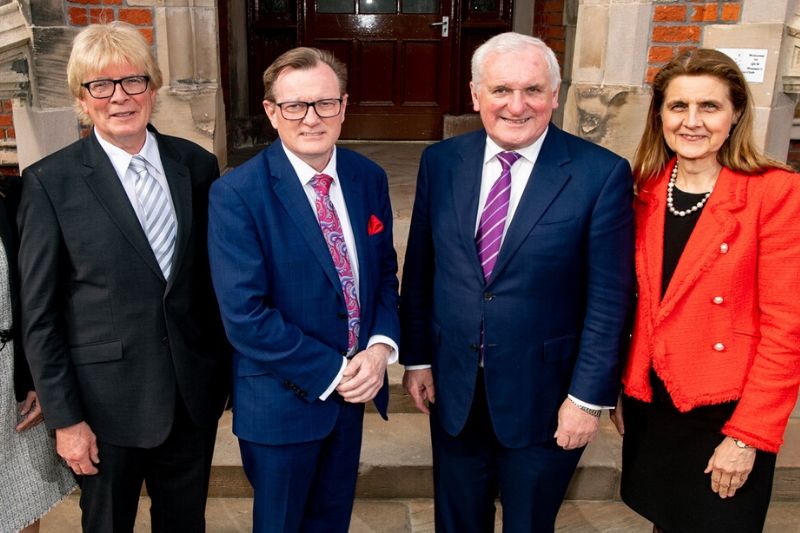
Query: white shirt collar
point(306, 172)
point(121, 159)
point(530, 152)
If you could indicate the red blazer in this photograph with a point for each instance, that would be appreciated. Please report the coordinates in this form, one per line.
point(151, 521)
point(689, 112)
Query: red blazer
point(728, 327)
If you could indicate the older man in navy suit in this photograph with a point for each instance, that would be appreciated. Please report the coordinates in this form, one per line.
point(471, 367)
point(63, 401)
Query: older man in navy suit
point(300, 241)
point(515, 293)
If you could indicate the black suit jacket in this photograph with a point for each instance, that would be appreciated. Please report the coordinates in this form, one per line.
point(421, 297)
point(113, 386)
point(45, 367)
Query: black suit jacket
point(109, 340)
point(9, 192)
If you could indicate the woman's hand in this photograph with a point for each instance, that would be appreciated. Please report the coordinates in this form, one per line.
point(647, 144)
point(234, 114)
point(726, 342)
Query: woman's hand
point(616, 416)
point(729, 467)
point(30, 411)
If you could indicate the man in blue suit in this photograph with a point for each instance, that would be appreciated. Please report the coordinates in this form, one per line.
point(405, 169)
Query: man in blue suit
point(300, 243)
point(515, 294)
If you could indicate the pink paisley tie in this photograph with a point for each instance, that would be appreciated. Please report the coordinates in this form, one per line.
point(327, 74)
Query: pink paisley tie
point(332, 231)
point(493, 218)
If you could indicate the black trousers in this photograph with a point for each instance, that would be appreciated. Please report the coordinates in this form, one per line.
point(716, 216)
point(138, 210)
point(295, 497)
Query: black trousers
point(176, 475)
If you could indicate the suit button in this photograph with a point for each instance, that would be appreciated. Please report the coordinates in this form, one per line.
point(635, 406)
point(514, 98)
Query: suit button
point(723, 248)
point(341, 315)
point(719, 347)
point(488, 296)
point(165, 341)
point(717, 300)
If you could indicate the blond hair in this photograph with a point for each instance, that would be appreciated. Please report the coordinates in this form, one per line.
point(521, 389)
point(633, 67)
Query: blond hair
point(102, 45)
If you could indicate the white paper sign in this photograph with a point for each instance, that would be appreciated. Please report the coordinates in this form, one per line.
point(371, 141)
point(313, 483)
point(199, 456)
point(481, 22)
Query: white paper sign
point(751, 61)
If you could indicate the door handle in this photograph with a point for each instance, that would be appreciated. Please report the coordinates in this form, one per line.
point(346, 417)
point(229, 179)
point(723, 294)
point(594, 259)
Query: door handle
point(445, 24)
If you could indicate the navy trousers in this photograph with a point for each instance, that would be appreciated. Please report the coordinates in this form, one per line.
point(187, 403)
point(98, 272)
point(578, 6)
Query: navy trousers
point(472, 468)
point(309, 486)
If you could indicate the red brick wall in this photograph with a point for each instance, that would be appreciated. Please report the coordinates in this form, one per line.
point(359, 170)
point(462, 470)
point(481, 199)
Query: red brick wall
point(548, 25)
point(7, 133)
point(85, 12)
point(678, 26)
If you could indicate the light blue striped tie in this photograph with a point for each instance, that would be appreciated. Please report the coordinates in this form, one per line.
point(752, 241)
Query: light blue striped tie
point(159, 220)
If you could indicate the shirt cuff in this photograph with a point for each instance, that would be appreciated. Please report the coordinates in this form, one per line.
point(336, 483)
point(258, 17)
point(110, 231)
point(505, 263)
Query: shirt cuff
point(587, 404)
point(417, 367)
point(394, 354)
point(335, 383)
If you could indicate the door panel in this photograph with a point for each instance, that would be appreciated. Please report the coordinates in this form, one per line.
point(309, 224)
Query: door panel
point(398, 64)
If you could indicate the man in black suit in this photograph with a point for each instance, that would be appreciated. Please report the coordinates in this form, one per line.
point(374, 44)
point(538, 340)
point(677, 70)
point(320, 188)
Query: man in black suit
point(120, 321)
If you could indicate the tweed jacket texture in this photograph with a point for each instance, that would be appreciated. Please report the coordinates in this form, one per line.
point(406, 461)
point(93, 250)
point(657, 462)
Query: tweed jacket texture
point(728, 326)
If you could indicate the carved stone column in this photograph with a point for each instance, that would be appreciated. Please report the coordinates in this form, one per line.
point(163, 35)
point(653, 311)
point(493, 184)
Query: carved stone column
point(190, 103)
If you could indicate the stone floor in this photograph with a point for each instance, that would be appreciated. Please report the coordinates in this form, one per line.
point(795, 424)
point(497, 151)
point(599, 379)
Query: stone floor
point(232, 515)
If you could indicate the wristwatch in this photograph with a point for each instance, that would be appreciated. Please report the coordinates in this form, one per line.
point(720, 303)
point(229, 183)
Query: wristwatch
point(594, 412)
point(741, 444)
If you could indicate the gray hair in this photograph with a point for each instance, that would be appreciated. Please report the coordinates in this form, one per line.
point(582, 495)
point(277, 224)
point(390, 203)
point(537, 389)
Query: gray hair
point(514, 42)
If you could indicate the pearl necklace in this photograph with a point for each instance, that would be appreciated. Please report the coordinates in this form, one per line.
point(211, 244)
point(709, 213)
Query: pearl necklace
point(671, 207)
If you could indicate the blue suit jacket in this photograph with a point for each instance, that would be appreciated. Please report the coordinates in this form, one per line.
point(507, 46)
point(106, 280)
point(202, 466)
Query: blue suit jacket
point(280, 295)
point(555, 306)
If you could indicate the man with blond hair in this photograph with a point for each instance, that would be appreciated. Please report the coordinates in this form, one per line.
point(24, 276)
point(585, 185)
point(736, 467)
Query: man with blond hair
point(120, 322)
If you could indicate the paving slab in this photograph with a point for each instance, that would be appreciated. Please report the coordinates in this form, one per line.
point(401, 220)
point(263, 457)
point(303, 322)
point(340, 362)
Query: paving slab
point(233, 515)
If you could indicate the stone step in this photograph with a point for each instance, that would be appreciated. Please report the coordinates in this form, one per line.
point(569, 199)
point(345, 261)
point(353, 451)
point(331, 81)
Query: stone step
point(233, 515)
point(396, 462)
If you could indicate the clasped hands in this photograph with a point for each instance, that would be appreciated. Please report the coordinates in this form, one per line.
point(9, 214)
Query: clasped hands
point(363, 375)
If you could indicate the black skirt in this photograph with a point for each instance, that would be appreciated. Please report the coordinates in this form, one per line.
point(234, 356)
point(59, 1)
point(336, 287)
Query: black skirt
point(664, 454)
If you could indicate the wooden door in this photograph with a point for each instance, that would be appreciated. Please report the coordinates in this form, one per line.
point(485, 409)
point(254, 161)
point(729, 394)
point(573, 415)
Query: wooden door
point(399, 63)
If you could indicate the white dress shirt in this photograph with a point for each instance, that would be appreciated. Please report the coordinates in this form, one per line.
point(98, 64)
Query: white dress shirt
point(121, 160)
point(305, 174)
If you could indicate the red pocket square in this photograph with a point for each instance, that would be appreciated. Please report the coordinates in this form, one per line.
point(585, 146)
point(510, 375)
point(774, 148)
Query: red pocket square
point(374, 226)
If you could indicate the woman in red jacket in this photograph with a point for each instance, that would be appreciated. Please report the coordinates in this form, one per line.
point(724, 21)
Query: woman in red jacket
point(714, 367)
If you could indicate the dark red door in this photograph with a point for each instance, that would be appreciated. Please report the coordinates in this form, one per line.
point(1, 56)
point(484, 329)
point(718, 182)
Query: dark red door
point(398, 54)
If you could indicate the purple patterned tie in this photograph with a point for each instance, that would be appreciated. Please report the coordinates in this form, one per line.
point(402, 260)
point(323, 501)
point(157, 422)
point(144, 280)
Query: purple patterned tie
point(332, 231)
point(493, 218)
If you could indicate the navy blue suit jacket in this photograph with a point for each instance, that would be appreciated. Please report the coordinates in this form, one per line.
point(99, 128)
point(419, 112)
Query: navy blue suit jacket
point(555, 306)
point(280, 295)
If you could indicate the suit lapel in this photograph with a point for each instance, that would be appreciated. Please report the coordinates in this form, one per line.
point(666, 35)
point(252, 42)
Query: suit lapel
point(465, 183)
point(180, 187)
point(290, 193)
point(650, 210)
point(546, 181)
point(102, 180)
point(715, 226)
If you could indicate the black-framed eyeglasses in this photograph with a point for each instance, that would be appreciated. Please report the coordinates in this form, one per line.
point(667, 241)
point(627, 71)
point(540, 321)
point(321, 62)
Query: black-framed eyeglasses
point(132, 85)
point(325, 108)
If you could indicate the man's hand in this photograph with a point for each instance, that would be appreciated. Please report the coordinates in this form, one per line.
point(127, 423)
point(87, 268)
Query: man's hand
point(729, 467)
point(31, 412)
point(363, 375)
point(575, 427)
point(419, 384)
point(77, 445)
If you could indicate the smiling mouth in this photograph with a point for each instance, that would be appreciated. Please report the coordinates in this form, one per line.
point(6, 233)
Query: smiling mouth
point(516, 121)
point(693, 137)
point(123, 114)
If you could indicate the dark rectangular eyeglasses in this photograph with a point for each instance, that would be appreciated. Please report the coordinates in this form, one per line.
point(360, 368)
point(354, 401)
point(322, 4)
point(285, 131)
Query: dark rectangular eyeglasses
point(325, 108)
point(132, 85)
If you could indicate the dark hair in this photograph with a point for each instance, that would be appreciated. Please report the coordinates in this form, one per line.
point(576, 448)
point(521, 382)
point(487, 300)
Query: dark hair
point(738, 152)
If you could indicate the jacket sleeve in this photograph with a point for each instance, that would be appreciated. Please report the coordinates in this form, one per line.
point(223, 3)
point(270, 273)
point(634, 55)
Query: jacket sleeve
point(609, 289)
point(42, 266)
point(770, 388)
point(416, 300)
